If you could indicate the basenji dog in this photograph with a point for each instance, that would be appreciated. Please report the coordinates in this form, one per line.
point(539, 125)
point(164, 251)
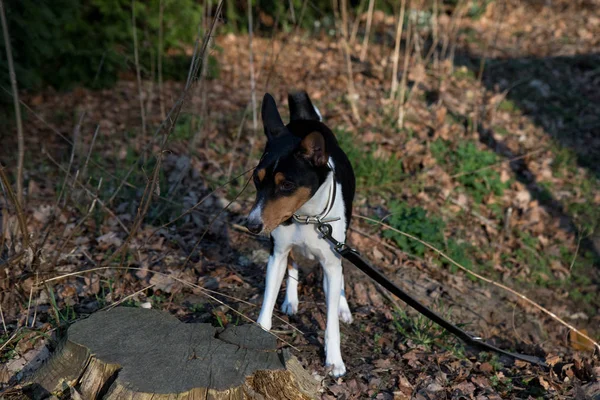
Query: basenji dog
point(302, 178)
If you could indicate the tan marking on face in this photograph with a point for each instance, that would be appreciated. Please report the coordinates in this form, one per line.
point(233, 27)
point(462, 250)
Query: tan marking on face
point(277, 211)
point(261, 174)
point(279, 178)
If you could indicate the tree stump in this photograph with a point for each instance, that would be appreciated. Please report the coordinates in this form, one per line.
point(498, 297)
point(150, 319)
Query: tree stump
point(138, 354)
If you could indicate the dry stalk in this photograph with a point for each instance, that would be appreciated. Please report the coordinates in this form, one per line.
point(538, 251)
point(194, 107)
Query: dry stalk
point(400, 26)
point(450, 29)
point(487, 280)
point(87, 159)
point(213, 221)
point(292, 13)
point(407, 54)
point(455, 27)
point(90, 193)
point(365, 44)
point(2, 318)
point(352, 95)
point(356, 24)
point(137, 68)
point(13, 198)
point(15, 95)
point(252, 78)
point(161, 12)
point(435, 33)
point(171, 120)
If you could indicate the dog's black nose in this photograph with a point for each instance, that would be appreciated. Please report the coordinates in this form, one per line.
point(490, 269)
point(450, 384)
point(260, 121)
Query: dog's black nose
point(254, 226)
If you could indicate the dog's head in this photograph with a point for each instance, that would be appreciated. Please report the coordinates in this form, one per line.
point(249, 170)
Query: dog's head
point(294, 163)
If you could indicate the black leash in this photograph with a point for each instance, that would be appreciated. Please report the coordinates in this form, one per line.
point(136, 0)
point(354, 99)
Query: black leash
point(355, 258)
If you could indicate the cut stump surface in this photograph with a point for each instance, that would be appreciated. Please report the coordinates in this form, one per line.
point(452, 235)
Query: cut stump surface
point(131, 353)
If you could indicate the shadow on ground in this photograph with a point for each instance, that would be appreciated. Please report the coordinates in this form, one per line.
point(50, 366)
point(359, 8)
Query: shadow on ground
point(562, 96)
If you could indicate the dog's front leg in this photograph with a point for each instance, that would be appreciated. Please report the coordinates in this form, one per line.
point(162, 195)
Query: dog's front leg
point(275, 272)
point(332, 269)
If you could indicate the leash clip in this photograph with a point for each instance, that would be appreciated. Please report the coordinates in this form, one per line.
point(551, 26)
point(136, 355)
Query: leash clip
point(326, 230)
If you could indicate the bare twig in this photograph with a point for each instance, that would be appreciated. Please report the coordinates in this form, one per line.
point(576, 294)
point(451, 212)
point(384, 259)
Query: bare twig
point(169, 123)
point(461, 7)
point(90, 193)
point(252, 78)
point(84, 171)
point(352, 95)
point(161, 12)
point(407, 54)
point(213, 221)
point(356, 24)
point(17, 205)
point(397, 50)
point(365, 44)
point(15, 93)
point(476, 275)
point(3, 321)
point(137, 68)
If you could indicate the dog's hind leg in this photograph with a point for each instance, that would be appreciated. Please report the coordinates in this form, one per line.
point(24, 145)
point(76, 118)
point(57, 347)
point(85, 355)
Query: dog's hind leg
point(345, 314)
point(275, 271)
point(290, 304)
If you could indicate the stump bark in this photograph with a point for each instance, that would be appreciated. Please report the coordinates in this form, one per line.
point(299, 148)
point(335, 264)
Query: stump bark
point(138, 354)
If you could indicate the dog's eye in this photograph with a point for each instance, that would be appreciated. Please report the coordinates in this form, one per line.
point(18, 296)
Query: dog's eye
point(287, 186)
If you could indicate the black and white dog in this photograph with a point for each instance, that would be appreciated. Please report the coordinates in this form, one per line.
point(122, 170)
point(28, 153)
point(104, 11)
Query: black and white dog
point(303, 176)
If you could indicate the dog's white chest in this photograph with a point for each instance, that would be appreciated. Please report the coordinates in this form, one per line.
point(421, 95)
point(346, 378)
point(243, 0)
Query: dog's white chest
point(305, 241)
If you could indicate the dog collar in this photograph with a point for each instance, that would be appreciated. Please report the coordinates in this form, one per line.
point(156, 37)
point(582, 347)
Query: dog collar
point(321, 218)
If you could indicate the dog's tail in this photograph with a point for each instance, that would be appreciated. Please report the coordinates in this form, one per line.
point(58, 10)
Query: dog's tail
point(301, 108)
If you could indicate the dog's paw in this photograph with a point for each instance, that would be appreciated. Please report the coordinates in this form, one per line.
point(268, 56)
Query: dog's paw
point(346, 316)
point(344, 312)
point(337, 368)
point(265, 324)
point(290, 307)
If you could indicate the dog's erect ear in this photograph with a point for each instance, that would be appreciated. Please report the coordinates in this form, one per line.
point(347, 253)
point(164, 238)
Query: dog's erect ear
point(301, 107)
point(271, 119)
point(313, 149)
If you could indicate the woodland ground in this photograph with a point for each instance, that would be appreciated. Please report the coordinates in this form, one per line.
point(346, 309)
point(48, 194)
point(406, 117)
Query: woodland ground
point(498, 170)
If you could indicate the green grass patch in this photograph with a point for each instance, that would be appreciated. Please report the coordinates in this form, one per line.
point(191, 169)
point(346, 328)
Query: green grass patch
point(372, 172)
point(464, 73)
point(424, 332)
point(430, 229)
point(508, 106)
point(466, 159)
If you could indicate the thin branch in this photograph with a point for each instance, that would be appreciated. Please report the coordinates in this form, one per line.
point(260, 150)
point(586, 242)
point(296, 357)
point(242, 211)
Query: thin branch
point(407, 54)
point(252, 78)
point(400, 26)
point(365, 44)
point(137, 68)
point(352, 95)
point(161, 12)
point(476, 275)
point(15, 93)
point(17, 205)
point(356, 24)
point(87, 159)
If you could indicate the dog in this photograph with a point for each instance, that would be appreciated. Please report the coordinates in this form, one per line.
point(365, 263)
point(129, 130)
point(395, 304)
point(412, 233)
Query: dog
point(303, 175)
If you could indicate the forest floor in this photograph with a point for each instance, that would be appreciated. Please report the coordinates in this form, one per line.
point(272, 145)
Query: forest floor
point(498, 170)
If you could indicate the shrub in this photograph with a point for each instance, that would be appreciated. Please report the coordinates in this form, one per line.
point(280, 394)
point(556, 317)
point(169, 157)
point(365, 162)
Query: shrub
point(63, 43)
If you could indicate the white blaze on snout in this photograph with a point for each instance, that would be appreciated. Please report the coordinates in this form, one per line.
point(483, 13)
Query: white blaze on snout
point(255, 216)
